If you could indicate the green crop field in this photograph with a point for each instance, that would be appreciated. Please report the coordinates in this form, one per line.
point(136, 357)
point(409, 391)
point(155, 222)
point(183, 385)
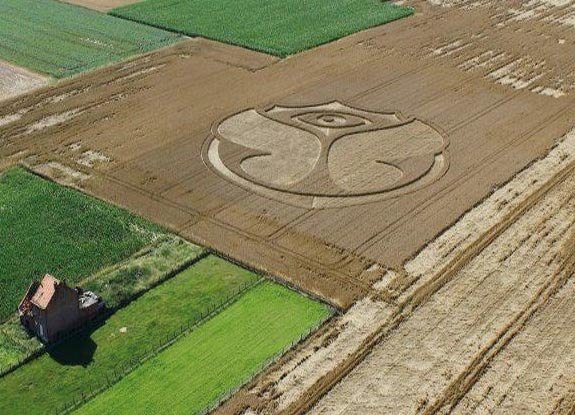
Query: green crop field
point(220, 355)
point(84, 362)
point(279, 27)
point(62, 40)
point(47, 228)
point(117, 285)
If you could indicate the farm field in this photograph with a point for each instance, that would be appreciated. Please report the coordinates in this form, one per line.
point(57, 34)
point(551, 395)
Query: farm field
point(418, 176)
point(86, 362)
point(278, 27)
point(218, 356)
point(47, 228)
point(117, 284)
point(63, 40)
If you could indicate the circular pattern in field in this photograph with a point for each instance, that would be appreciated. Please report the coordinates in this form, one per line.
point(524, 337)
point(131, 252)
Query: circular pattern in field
point(326, 155)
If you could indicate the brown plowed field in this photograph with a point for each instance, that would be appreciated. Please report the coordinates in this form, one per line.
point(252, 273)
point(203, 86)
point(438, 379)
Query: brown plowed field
point(455, 296)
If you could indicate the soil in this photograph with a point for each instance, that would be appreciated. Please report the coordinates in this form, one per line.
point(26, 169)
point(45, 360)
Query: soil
point(481, 317)
point(461, 280)
point(101, 5)
point(15, 81)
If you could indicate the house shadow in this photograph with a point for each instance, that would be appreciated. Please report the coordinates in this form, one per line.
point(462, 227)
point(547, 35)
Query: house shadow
point(76, 350)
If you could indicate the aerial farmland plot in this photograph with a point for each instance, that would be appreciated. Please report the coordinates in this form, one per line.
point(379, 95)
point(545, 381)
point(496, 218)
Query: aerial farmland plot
point(60, 40)
point(210, 297)
point(220, 355)
point(281, 28)
point(292, 207)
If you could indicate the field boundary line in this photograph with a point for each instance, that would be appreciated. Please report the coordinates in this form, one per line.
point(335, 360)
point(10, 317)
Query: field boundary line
point(420, 296)
point(118, 374)
point(293, 287)
point(106, 314)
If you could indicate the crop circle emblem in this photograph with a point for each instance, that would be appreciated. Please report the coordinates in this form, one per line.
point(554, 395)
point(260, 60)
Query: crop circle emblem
point(327, 155)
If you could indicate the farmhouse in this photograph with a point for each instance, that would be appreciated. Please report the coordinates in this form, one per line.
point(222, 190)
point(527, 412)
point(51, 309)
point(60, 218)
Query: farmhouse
point(51, 308)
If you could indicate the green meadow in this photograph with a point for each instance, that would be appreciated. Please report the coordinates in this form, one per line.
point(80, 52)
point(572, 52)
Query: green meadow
point(215, 358)
point(85, 362)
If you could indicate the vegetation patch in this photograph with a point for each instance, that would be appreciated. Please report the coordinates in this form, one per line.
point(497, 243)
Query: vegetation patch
point(62, 40)
point(48, 228)
point(85, 362)
point(278, 27)
point(117, 285)
point(121, 282)
point(16, 344)
point(216, 358)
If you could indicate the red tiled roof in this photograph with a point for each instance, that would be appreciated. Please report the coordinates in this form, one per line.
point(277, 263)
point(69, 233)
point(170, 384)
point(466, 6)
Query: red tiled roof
point(45, 291)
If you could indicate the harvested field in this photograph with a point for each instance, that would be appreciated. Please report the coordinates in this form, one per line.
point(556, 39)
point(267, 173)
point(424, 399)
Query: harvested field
point(279, 27)
point(62, 40)
point(468, 288)
point(16, 81)
point(484, 312)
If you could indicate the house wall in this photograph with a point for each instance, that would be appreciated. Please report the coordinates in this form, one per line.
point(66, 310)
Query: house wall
point(62, 313)
point(38, 323)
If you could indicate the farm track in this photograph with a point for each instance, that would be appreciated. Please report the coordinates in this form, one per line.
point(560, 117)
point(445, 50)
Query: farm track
point(456, 283)
point(424, 289)
point(555, 200)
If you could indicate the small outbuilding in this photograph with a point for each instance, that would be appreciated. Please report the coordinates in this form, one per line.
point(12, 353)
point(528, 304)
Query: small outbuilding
point(51, 308)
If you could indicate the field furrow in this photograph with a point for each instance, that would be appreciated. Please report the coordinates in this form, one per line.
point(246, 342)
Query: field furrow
point(413, 369)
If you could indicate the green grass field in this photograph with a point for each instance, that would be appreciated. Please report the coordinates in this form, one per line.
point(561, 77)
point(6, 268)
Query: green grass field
point(15, 344)
point(220, 355)
point(62, 40)
point(82, 363)
point(47, 228)
point(278, 27)
point(117, 285)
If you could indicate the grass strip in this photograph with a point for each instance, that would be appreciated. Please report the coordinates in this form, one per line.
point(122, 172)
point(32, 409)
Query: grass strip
point(84, 362)
point(217, 357)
